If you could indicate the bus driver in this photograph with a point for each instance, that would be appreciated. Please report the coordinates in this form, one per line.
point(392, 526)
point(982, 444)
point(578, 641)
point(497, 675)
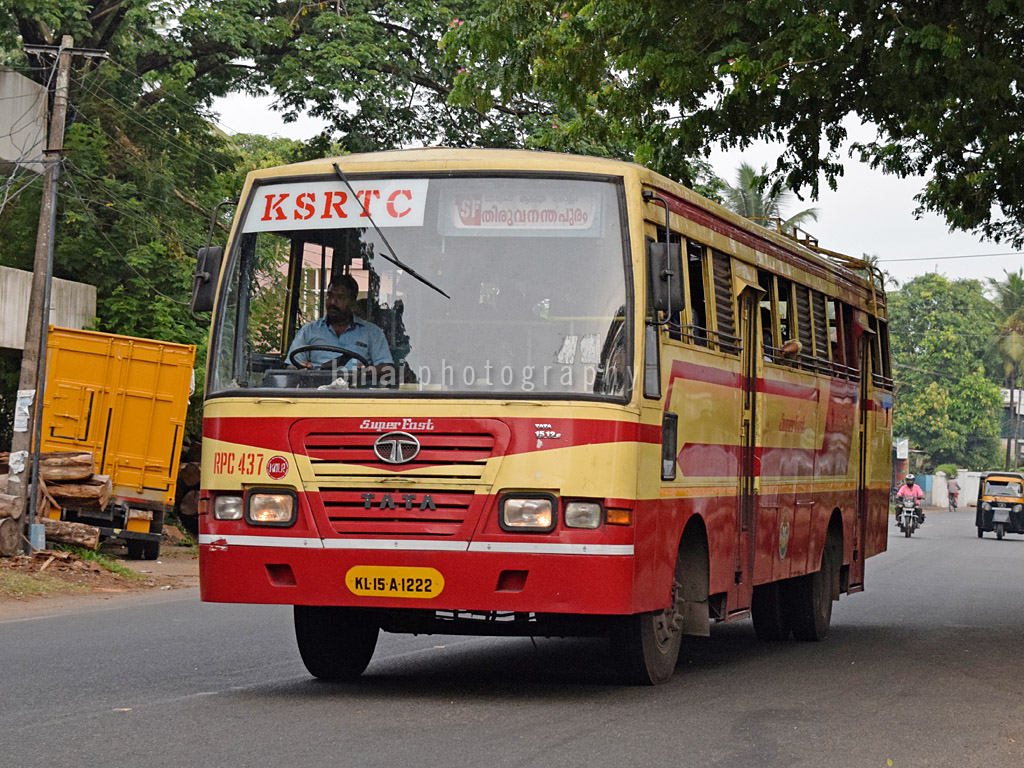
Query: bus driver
point(341, 331)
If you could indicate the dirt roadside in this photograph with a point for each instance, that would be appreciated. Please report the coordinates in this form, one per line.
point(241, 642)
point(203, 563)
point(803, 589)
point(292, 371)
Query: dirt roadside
point(53, 581)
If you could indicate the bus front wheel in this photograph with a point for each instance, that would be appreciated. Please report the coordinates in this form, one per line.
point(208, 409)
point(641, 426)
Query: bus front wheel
point(335, 644)
point(645, 646)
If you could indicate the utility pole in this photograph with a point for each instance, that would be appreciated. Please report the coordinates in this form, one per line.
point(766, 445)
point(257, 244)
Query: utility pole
point(24, 458)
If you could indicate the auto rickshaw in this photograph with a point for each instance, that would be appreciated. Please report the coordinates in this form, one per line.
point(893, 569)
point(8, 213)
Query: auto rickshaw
point(1000, 504)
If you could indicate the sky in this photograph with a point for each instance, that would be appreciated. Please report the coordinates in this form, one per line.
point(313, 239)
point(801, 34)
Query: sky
point(869, 213)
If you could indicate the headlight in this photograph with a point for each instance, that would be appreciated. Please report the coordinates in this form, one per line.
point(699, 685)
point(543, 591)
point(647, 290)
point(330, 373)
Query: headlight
point(583, 514)
point(1017, 508)
point(985, 506)
point(227, 508)
point(271, 508)
point(534, 513)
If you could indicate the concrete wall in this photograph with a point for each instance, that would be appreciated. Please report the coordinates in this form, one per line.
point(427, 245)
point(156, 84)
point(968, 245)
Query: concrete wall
point(939, 496)
point(22, 121)
point(72, 305)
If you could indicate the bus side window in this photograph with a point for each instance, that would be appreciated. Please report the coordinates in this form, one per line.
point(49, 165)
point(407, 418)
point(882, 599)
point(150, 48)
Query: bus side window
point(883, 349)
point(764, 279)
point(785, 303)
point(725, 306)
point(676, 322)
point(835, 332)
point(852, 350)
point(698, 298)
point(874, 352)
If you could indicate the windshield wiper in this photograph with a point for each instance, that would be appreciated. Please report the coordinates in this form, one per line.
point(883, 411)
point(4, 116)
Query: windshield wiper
point(394, 257)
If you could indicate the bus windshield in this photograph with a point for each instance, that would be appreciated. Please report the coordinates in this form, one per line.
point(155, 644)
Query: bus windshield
point(535, 268)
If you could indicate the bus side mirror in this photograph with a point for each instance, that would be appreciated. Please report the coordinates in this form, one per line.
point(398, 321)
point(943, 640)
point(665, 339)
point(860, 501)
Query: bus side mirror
point(204, 287)
point(665, 276)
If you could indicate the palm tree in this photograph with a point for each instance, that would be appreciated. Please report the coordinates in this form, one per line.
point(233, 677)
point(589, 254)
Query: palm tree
point(1009, 300)
point(872, 260)
point(749, 198)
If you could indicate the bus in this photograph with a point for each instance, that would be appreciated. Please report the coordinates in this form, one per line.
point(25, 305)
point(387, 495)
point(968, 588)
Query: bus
point(603, 406)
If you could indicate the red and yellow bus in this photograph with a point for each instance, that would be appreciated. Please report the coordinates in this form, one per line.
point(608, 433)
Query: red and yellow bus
point(611, 407)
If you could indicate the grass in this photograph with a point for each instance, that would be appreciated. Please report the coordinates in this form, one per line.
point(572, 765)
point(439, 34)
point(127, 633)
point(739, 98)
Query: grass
point(21, 585)
point(102, 560)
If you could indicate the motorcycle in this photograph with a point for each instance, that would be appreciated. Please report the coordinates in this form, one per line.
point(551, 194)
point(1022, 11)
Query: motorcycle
point(908, 515)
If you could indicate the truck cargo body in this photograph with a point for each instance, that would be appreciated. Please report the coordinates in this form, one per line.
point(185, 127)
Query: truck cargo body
point(123, 399)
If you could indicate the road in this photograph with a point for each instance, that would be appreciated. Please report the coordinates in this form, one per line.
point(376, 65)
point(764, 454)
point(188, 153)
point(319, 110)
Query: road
point(923, 669)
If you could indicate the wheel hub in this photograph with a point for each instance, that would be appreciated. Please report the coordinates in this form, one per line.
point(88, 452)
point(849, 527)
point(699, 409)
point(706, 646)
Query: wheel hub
point(669, 622)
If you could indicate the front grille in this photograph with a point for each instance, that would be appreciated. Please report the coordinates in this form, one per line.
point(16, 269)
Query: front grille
point(443, 455)
point(396, 513)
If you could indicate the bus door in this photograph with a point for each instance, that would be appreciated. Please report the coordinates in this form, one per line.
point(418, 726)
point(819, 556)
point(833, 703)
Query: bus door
point(748, 470)
point(856, 578)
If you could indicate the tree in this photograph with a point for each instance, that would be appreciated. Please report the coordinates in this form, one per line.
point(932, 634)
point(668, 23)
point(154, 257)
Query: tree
point(1009, 301)
point(939, 81)
point(751, 198)
point(946, 402)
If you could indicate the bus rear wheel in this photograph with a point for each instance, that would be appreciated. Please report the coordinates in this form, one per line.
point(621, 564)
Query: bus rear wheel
point(335, 644)
point(810, 596)
point(645, 646)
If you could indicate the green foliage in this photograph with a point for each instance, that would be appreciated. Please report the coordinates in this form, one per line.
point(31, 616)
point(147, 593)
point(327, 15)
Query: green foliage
point(751, 199)
point(942, 336)
point(949, 469)
point(939, 80)
point(10, 370)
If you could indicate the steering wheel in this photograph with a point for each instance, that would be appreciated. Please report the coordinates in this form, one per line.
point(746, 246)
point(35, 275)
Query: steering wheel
point(344, 355)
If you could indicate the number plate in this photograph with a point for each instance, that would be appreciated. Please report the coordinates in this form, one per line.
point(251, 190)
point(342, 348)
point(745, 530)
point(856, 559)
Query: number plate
point(394, 581)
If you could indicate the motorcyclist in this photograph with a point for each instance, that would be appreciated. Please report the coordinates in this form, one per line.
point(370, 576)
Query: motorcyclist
point(913, 490)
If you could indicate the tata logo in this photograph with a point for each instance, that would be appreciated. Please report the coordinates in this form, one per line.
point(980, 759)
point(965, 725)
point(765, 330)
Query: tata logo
point(396, 447)
point(408, 500)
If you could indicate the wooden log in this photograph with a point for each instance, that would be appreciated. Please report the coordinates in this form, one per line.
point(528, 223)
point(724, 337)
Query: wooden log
point(60, 466)
point(72, 533)
point(68, 467)
point(10, 535)
point(193, 452)
point(8, 506)
point(189, 504)
point(190, 474)
point(3, 483)
point(84, 495)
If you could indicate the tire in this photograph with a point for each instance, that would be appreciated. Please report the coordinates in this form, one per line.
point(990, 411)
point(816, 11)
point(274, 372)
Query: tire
point(999, 531)
point(908, 531)
point(981, 533)
point(809, 597)
point(768, 610)
point(645, 646)
point(335, 644)
point(142, 550)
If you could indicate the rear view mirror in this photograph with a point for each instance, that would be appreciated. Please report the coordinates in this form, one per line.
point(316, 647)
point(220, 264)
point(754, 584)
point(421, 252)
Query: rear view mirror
point(204, 288)
point(665, 276)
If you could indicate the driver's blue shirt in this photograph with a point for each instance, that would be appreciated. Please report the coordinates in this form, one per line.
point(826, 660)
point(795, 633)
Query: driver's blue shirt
point(361, 337)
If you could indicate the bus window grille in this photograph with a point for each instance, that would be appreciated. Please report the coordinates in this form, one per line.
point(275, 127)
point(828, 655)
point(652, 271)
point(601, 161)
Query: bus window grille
point(820, 326)
point(726, 315)
point(803, 319)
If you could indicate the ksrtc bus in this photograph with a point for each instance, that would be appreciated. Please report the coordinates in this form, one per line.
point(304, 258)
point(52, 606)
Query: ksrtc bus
point(608, 406)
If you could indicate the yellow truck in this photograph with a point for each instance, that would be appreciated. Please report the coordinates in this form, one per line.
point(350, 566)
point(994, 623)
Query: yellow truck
point(124, 400)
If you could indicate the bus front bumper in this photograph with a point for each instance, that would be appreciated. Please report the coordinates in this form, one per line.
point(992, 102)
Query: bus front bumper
point(476, 577)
